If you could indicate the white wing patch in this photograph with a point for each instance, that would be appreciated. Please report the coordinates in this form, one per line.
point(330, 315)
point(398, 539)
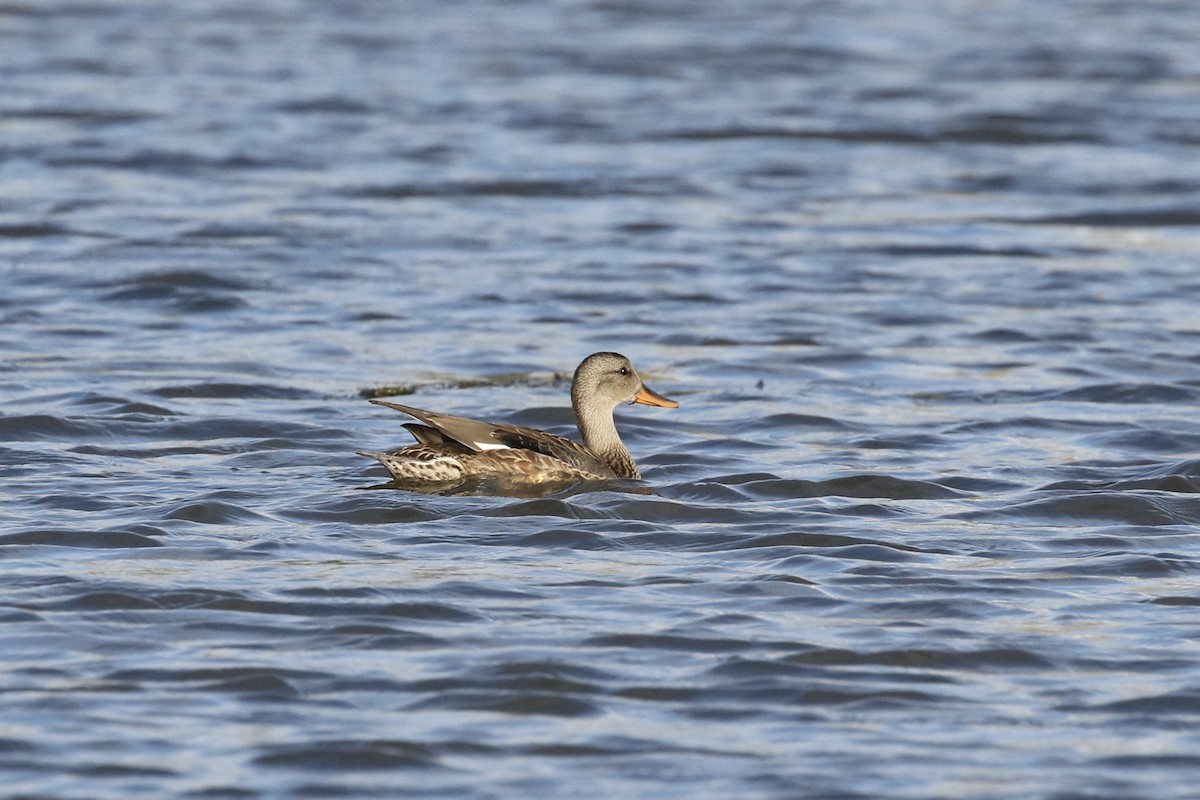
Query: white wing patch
point(487, 443)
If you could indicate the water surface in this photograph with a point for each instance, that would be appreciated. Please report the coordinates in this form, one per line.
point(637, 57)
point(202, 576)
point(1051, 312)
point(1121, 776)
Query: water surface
point(922, 278)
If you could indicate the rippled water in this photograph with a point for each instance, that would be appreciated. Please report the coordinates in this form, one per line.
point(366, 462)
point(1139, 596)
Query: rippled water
point(922, 276)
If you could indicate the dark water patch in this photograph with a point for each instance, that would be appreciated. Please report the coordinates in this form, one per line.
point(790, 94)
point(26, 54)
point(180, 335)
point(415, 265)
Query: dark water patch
point(1117, 538)
point(1002, 658)
point(746, 477)
point(191, 598)
point(82, 501)
point(871, 552)
point(1176, 600)
point(243, 391)
point(790, 421)
point(645, 227)
point(10, 746)
point(122, 405)
point(76, 332)
point(611, 746)
point(1127, 565)
point(86, 116)
point(910, 610)
point(668, 512)
point(536, 677)
point(330, 104)
point(221, 793)
point(736, 132)
point(955, 251)
point(787, 578)
point(547, 507)
point(750, 679)
point(795, 340)
point(103, 601)
point(209, 676)
point(1177, 484)
point(474, 591)
point(213, 429)
point(1017, 130)
point(264, 686)
point(122, 771)
point(1032, 423)
point(1155, 761)
point(860, 700)
point(361, 510)
point(704, 492)
point(168, 280)
point(659, 694)
point(229, 628)
point(697, 340)
point(614, 295)
point(846, 546)
point(182, 291)
point(1132, 508)
point(881, 701)
point(675, 643)
point(901, 319)
point(33, 231)
point(521, 704)
point(349, 755)
point(911, 442)
point(979, 485)
point(1151, 442)
point(336, 593)
point(35, 427)
point(1189, 468)
point(565, 538)
point(1122, 218)
point(234, 232)
point(210, 512)
point(371, 636)
point(1184, 702)
point(1129, 393)
point(80, 538)
point(144, 453)
point(421, 611)
point(1004, 336)
point(584, 188)
point(884, 486)
point(180, 163)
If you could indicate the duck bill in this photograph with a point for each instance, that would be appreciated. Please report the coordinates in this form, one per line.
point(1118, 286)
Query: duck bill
point(649, 397)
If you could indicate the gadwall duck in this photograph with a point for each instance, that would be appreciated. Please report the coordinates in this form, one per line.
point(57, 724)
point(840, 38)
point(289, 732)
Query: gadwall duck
point(453, 448)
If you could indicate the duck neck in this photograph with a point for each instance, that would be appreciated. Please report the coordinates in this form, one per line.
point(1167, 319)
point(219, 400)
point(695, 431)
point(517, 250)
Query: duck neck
point(600, 436)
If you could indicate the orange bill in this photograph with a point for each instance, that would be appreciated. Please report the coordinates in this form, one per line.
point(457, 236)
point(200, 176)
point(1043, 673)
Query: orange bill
point(649, 397)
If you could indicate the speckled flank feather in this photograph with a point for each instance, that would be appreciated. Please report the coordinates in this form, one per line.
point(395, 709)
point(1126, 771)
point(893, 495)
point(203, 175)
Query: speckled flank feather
point(421, 463)
point(416, 463)
point(451, 448)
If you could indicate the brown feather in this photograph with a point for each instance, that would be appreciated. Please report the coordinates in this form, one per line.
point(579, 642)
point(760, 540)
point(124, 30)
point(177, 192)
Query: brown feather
point(450, 447)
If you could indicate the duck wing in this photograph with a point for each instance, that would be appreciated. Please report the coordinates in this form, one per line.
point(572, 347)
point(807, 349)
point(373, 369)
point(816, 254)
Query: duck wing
point(440, 428)
point(562, 449)
point(478, 437)
point(426, 435)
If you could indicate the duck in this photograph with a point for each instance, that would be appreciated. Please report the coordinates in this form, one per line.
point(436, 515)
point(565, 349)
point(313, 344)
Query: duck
point(450, 448)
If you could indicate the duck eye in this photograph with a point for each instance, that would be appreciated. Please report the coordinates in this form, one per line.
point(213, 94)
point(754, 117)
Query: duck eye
point(624, 370)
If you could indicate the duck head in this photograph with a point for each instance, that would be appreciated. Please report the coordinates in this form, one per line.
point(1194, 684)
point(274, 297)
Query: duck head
point(605, 380)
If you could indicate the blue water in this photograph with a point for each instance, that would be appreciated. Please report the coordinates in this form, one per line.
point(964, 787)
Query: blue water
point(923, 278)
